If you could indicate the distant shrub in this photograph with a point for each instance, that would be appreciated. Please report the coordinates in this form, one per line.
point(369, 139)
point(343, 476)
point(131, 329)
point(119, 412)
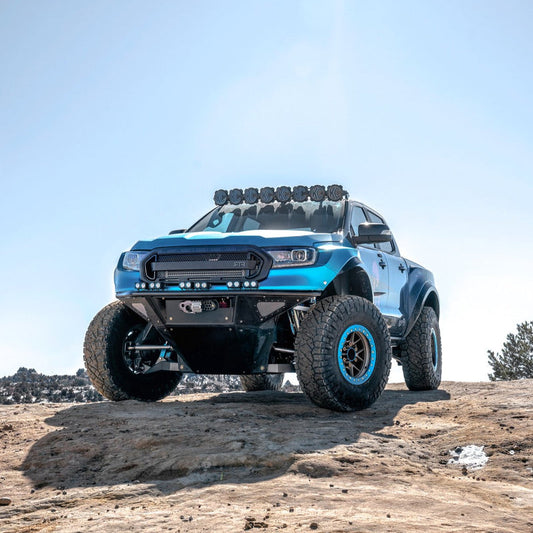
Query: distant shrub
point(29, 386)
point(516, 358)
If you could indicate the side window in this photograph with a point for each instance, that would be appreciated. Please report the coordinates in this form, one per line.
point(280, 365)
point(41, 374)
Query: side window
point(358, 217)
point(385, 246)
point(374, 218)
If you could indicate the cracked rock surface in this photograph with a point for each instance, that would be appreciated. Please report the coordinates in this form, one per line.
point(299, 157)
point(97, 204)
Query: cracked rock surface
point(271, 460)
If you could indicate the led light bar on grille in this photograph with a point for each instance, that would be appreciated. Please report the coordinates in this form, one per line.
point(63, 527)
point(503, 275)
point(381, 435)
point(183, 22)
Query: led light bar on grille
point(283, 194)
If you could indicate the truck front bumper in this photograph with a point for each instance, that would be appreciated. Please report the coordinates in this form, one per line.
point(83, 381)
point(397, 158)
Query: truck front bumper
point(236, 337)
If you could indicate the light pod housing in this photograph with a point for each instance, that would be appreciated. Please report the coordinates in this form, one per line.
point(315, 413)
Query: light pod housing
point(221, 197)
point(283, 194)
point(300, 193)
point(335, 193)
point(236, 196)
point(317, 193)
point(267, 195)
point(251, 195)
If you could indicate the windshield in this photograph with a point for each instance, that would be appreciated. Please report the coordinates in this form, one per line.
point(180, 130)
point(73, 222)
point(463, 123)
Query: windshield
point(319, 217)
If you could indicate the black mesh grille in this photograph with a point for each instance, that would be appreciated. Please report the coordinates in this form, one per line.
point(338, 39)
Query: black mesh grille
point(211, 266)
point(213, 256)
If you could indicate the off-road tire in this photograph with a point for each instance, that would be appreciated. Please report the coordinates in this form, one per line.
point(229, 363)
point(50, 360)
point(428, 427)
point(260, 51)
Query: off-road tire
point(105, 364)
point(318, 353)
point(421, 353)
point(256, 382)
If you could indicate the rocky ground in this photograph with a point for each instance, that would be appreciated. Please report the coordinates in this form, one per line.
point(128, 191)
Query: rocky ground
point(243, 461)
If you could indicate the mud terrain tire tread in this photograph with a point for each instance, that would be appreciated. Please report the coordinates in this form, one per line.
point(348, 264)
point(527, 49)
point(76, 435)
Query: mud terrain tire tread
point(102, 355)
point(257, 382)
point(316, 353)
point(415, 353)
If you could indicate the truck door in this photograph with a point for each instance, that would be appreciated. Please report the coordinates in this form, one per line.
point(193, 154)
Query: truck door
point(397, 272)
point(374, 261)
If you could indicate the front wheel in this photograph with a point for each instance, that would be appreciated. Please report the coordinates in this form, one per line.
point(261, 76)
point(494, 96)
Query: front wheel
point(343, 353)
point(116, 370)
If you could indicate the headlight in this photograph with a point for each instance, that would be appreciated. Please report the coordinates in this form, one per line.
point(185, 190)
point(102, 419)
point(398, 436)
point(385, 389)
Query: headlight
point(293, 258)
point(132, 260)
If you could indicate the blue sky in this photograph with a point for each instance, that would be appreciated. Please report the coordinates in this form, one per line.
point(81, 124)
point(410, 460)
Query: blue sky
point(119, 120)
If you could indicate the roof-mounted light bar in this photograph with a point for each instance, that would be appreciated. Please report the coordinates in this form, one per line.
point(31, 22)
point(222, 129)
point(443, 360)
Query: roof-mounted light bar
point(283, 194)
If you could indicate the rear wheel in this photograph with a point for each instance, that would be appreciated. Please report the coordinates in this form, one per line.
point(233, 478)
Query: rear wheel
point(421, 353)
point(343, 353)
point(256, 382)
point(116, 370)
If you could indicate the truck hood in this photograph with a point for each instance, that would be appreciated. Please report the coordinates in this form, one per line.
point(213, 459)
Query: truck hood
point(260, 238)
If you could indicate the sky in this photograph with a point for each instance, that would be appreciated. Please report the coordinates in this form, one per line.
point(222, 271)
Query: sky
point(118, 121)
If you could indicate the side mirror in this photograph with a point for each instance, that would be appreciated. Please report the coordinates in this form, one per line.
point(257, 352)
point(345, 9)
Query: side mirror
point(370, 232)
point(175, 231)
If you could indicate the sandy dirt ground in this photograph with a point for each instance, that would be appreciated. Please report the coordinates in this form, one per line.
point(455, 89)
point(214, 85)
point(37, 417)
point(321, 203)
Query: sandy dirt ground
point(250, 461)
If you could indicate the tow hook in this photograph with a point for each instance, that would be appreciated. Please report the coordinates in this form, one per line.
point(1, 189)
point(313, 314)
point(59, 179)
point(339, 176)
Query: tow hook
point(191, 307)
point(198, 306)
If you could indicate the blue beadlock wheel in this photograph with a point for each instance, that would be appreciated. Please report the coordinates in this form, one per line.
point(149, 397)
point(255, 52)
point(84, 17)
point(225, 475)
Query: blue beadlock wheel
point(343, 353)
point(356, 354)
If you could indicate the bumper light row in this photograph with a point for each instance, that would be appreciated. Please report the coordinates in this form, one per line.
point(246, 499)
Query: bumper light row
point(198, 285)
point(194, 285)
point(245, 284)
point(143, 285)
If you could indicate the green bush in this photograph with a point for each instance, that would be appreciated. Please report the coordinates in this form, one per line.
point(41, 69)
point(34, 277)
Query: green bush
point(516, 359)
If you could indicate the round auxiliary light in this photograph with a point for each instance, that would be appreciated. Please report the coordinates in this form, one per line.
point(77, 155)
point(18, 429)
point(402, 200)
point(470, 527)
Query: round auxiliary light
point(300, 193)
point(335, 192)
point(158, 285)
point(204, 285)
point(137, 285)
point(267, 195)
point(317, 193)
point(152, 285)
point(182, 284)
point(235, 196)
point(251, 195)
point(236, 284)
point(246, 284)
point(229, 284)
point(221, 197)
point(283, 194)
point(188, 285)
point(143, 285)
point(253, 284)
point(197, 285)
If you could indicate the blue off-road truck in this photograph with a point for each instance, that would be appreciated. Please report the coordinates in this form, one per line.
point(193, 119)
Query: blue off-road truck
point(270, 281)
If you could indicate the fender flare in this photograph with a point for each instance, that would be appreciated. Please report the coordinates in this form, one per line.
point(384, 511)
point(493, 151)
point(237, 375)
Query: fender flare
point(427, 295)
point(352, 279)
